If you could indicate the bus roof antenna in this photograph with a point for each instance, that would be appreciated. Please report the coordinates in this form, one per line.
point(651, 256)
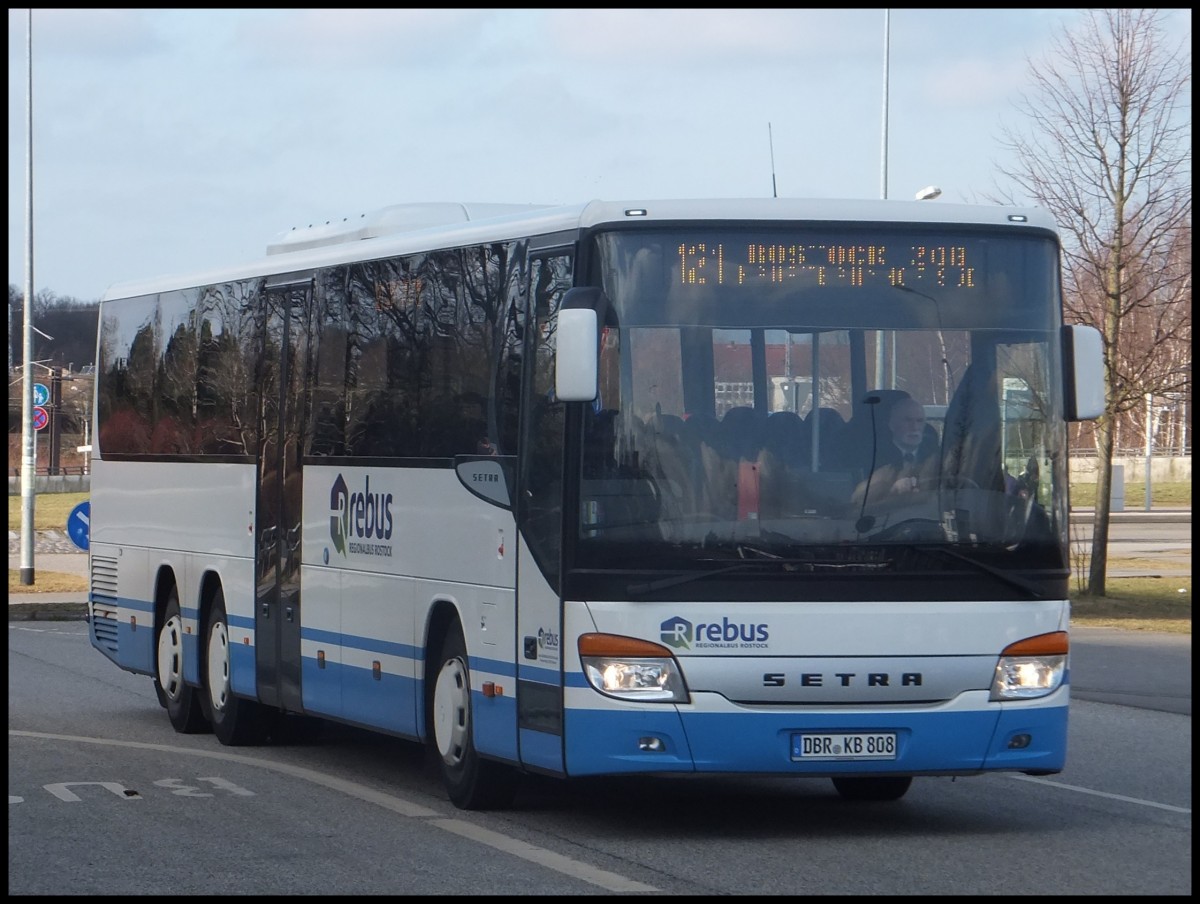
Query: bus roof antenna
point(771, 143)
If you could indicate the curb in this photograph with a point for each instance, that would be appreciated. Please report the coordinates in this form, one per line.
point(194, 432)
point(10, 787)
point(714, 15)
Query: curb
point(47, 611)
point(1178, 516)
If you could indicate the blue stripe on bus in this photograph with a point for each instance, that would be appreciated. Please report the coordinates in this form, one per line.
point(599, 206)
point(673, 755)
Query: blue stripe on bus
point(136, 643)
point(242, 670)
point(539, 674)
point(358, 642)
point(141, 606)
point(354, 694)
point(542, 750)
point(393, 703)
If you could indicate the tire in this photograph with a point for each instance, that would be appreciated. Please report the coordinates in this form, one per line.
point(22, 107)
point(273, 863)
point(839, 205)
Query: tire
point(886, 787)
point(158, 691)
point(472, 782)
point(182, 701)
point(236, 721)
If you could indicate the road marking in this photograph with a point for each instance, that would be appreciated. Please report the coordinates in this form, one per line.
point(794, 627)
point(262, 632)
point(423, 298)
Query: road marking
point(398, 805)
point(1110, 796)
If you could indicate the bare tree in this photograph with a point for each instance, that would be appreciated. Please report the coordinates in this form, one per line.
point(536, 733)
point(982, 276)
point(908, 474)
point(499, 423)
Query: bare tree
point(1107, 153)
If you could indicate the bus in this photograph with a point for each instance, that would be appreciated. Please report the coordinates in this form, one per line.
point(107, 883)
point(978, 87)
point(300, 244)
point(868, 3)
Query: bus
point(592, 490)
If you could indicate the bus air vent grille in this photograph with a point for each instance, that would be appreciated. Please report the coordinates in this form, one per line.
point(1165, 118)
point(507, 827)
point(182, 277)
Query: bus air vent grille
point(104, 577)
point(103, 603)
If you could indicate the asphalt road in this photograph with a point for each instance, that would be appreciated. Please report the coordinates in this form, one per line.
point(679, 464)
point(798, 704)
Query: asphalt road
point(104, 798)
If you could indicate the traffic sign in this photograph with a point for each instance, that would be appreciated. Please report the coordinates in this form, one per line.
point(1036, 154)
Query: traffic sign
point(41, 417)
point(78, 522)
point(41, 395)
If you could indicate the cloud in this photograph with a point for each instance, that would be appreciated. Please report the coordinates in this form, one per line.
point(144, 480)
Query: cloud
point(357, 38)
point(967, 83)
point(97, 34)
point(654, 37)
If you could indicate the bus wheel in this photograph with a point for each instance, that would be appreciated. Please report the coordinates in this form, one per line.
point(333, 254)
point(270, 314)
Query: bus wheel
point(472, 782)
point(181, 700)
point(235, 720)
point(889, 787)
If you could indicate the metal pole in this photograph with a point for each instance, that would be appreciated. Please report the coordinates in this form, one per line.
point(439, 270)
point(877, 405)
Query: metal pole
point(883, 153)
point(883, 179)
point(1149, 443)
point(28, 449)
point(1183, 427)
point(55, 419)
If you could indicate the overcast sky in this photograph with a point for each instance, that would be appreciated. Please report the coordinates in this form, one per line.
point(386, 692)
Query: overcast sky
point(172, 141)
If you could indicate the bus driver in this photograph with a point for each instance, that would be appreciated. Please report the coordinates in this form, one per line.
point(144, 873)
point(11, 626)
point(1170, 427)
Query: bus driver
point(909, 456)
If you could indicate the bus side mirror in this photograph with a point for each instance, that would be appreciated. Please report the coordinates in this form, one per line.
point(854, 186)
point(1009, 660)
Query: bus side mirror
point(1083, 372)
point(577, 355)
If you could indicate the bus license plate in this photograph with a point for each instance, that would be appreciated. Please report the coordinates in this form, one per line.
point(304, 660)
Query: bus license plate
point(844, 745)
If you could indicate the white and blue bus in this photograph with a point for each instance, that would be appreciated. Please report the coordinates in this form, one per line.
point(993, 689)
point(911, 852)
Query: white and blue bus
point(597, 490)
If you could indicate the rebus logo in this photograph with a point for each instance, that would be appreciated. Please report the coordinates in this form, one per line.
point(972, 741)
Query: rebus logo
point(358, 516)
point(729, 632)
point(677, 632)
point(339, 504)
point(680, 633)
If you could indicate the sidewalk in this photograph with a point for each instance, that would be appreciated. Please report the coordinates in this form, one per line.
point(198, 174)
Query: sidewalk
point(47, 607)
point(54, 552)
point(1161, 515)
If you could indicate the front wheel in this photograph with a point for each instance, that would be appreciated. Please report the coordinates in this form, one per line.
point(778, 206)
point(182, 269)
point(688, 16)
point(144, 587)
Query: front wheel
point(472, 782)
point(182, 701)
point(235, 720)
point(884, 787)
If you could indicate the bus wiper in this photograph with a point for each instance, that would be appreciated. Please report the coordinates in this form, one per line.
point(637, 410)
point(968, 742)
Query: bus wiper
point(661, 583)
point(1028, 586)
point(651, 586)
point(743, 548)
point(788, 565)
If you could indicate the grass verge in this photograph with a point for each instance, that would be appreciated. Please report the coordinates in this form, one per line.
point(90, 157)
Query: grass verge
point(50, 510)
point(1161, 603)
point(1162, 493)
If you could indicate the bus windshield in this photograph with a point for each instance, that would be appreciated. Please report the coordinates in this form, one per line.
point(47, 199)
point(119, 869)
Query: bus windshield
point(814, 394)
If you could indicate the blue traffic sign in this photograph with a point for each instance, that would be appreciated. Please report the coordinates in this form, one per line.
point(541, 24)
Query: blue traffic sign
point(78, 522)
point(41, 417)
point(41, 395)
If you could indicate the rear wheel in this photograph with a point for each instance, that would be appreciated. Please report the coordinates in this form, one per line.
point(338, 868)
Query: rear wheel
point(235, 720)
point(181, 700)
point(884, 787)
point(472, 782)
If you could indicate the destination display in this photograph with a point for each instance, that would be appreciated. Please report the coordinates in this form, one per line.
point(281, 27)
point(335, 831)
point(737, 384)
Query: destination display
point(833, 263)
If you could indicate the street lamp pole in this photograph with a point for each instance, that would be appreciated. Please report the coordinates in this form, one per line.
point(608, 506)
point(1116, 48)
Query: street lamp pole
point(28, 449)
point(884, 150)
point(883, 165)
point(1149, 444)
point(56, 416)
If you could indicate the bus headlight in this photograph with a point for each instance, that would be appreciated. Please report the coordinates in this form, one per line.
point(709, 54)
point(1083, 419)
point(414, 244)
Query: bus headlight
point(1031, 668)
point(631, 669)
